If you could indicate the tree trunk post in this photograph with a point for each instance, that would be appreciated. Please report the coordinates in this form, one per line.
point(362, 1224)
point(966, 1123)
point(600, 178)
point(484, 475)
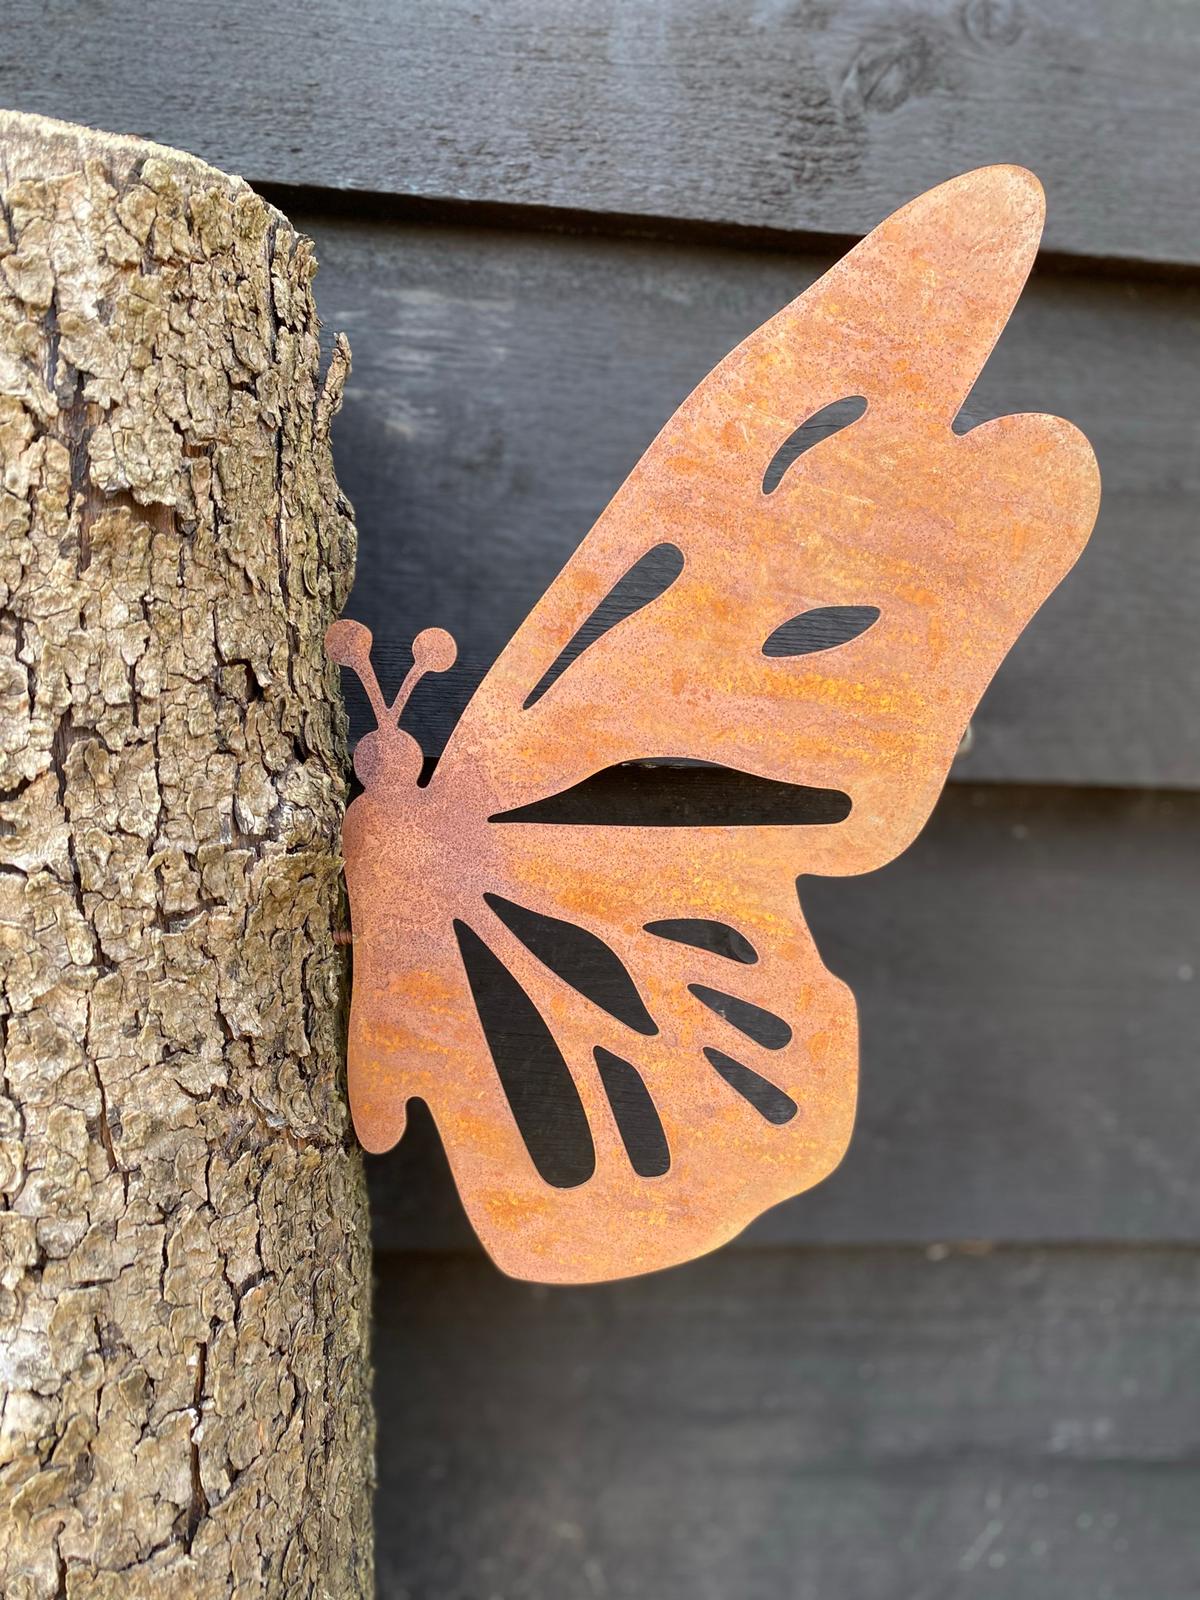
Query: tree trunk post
point(184, 1257)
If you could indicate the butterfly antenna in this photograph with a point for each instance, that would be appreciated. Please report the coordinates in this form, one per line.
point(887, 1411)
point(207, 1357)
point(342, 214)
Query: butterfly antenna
point(349, 644)
point(433, 650)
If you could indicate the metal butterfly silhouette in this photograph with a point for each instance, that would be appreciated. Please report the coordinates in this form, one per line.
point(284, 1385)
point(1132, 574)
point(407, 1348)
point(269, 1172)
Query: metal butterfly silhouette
point(623, 1028)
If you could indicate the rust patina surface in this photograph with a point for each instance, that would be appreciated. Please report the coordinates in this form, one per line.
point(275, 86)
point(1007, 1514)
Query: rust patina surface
point(948, 543)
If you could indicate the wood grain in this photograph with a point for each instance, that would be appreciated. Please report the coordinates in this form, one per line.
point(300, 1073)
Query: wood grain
point(794, 115)
point(808, 1424)
point(1029, 1001)
point(503, 385)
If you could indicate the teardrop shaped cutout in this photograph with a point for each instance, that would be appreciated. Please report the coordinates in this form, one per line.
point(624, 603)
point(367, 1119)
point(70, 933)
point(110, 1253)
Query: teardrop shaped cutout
point(767, 1098)
point(763, 1027)
point(823, 628)
point(578, 958)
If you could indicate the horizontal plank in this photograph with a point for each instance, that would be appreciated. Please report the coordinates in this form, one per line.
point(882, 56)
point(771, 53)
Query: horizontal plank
point(503, 386)
point(778, 115)
point(806, 1424)
point(1029, 998)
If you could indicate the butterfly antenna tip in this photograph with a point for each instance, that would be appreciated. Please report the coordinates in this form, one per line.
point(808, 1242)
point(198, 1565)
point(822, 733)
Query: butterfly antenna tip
point(433, 650)
point(349, 645)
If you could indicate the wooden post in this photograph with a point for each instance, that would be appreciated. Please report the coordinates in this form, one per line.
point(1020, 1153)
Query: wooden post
point(184, 1260)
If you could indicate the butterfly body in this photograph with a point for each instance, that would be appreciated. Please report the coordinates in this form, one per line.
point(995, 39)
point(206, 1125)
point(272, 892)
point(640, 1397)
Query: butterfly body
point(616, 1013)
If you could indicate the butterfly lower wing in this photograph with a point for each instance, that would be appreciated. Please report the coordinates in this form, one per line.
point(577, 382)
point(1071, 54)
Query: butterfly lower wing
point(728, 1086)
point(956, 540)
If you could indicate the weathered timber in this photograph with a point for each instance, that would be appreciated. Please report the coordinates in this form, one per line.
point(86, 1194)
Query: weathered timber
point(184, 1259)
point(794, 1423)
point(791, 115)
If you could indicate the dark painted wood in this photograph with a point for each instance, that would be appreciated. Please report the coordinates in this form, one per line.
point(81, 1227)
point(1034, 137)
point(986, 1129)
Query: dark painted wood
point(787, 114)
point(874, 1424)
point(1028, 979)
point(862, 1422)
point(503, 386)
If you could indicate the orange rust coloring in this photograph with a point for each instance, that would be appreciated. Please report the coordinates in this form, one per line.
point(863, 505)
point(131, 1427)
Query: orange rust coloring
point(826, 631)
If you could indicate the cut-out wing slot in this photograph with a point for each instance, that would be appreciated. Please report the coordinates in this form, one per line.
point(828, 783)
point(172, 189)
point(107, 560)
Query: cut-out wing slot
point(580, 959)
point(645, 581)
point(766, 1097)
point(702, 933)
point(635, 1114)
point(700, 794)
point(764, 1027)
point(537, 1082)
point(823, 628)
point(821, 425)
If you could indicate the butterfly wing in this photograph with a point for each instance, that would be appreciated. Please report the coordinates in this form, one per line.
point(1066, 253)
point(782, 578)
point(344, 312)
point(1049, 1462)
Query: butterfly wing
point(589, 1133)
point(956, 539)
point(659, 1082)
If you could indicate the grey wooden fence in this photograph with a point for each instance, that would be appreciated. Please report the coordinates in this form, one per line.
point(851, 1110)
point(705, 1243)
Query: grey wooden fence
point(969, 1364)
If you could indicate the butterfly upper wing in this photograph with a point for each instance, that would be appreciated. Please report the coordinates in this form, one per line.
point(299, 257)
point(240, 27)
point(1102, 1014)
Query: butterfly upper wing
point(954, 540)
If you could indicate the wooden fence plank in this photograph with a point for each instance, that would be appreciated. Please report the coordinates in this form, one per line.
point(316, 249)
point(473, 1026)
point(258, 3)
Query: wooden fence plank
point(787, 114)
point(794, 1423)
point(1029, 995)
point(503, 385)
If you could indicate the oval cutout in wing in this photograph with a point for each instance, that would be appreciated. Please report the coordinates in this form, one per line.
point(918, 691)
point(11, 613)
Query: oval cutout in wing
point(703, 933)
point(649, 577)
point(580, 959)
point(767, 1098)
point(763, 1027)
point(814, 430)
point(823, 628)
point(536, 1080)
point(635, 1115)
point(695, 794)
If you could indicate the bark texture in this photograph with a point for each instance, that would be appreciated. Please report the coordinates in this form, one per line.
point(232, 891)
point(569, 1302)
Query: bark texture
point(183, 1242)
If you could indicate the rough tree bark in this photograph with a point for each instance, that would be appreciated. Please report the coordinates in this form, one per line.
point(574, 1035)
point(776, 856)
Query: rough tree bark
point(183, 1242)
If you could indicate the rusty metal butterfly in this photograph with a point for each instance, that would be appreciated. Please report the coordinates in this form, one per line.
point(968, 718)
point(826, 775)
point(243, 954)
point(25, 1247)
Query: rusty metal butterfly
point(675, 1057)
